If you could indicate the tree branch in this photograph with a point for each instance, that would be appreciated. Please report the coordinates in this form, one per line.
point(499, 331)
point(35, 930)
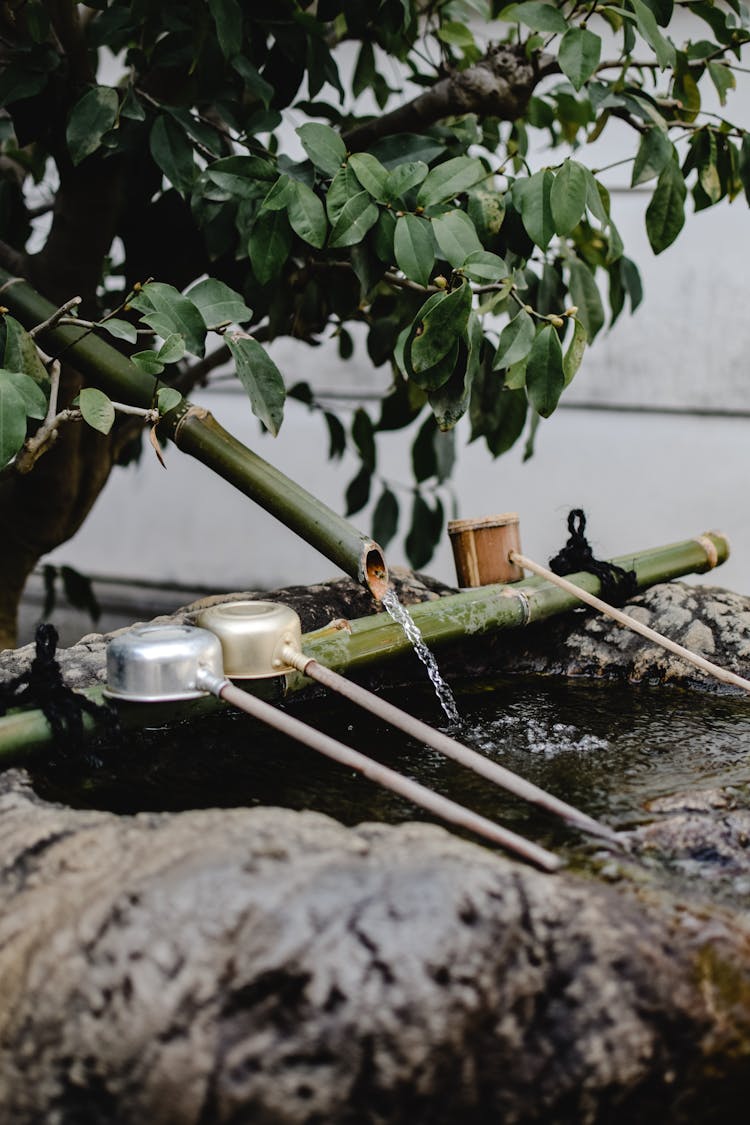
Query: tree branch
point(498, 85)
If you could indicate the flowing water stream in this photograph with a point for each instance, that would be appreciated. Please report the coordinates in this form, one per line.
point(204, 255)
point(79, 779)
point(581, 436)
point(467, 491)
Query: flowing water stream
point(402, 617)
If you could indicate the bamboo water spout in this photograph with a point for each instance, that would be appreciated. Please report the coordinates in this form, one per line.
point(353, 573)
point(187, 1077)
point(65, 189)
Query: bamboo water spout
point(196, 432)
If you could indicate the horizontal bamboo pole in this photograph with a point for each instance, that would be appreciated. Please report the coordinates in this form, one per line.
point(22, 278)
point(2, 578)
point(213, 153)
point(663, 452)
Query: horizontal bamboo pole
point(706, 666)
point(196, 432)
point(487, 609)
point(370, 640)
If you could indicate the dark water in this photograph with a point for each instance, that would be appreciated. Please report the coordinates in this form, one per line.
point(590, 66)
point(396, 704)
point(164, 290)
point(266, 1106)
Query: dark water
point(607, 750)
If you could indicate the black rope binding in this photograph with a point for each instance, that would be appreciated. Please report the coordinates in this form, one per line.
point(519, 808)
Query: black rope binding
point(42, 686)
point(617, 584)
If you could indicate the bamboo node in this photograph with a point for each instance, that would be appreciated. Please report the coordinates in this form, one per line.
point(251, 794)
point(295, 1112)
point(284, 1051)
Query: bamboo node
point(708, 545)
point(191, 411)
point(523, 599)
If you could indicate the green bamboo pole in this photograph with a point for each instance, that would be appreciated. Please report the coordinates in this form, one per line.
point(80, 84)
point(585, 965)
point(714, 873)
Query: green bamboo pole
point(196, 432)
point(486, 609)
point(370, 640)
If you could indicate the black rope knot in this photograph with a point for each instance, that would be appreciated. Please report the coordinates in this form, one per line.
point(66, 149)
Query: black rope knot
point(42, 686)
point(617, 584)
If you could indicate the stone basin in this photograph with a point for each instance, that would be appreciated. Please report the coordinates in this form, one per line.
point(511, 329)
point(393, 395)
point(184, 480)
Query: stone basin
point(263, 965)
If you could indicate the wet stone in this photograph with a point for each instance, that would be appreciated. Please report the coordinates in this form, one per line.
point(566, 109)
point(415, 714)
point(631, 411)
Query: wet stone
point(268, 966)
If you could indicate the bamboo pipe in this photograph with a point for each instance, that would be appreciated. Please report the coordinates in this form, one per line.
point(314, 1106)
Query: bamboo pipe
point(196, 432)
point(707, 666)
point(416, 729)
point(371, 640)
point(382, 775)
point(487, 609)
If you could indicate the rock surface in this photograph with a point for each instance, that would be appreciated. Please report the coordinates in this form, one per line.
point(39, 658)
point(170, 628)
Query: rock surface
point(268, 966)
point(273, 967)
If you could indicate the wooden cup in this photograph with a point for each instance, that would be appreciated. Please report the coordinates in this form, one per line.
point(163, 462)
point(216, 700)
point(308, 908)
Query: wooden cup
point(481, 548)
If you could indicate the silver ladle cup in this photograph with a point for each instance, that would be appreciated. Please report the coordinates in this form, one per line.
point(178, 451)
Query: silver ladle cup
point(161, 663)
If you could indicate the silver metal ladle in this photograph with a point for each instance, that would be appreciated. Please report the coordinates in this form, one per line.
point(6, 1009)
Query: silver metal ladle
point(159, 663)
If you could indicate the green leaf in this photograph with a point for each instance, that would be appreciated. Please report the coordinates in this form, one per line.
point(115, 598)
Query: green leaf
point(653, 153)
point(649, 29)
point(165, 310)
point(515, 340)
point(532, 197)
point(528, 449)
point(404, 177)
point(487, 211)
point(34, 398)
point(358, 491)
point(509, 420)
point(385, 518)
point(574, 353)
point(597, 198)
point(218, 304)
point(708, 172)
point(260, 377)
point(12, 421)
point(515, 376)
point(665, 214)
point(456, 236)
point(585, 294)
point(357, 216)
point(92, 116)
point(568, 197)
point(120, 329)
point(364, 438)
point(173, 153)
point(423, 454)
point(344, 186)
point(239, 175)
point(79, 592)
point(722, 78)
point(662, 9)
point(227, 16)
point(579, 54)
point(545, 379)
point(307, 215)
point(457, 34)
point(167, 398)
point(743, 169)
point(433, 378)
point(484, 267)
point(536, 15)
point(414, 247)
point(269, 244)
point(256, 87)
point(450, 401)
point(424, 533)
point(172, 350)
point(323, 145)
point(450, 179)
point(20, 352)
point(279, 195)
point(373, 177)
point(97, 409)
point(336, 436)
point(131, 107)
point(364, 71)
point(437, 327)
point(394, 150)
point(148, 362)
